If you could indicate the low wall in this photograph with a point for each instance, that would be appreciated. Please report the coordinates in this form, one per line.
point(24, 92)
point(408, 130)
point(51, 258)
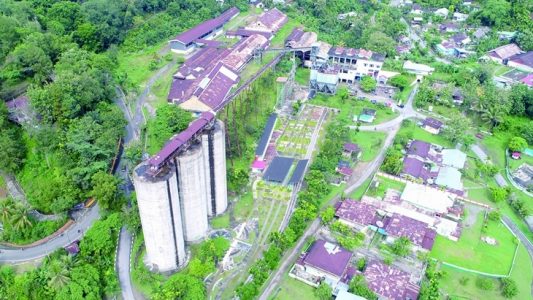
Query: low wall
point(44, 240)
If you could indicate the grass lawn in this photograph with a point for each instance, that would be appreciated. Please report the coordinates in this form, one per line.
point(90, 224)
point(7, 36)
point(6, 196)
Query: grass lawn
point(292, 289)
point(472, 253)
point(302, 76)
point(161, 87)
point(444, 111)
point(243, 207)
point(351, 107)
point(440, 76)
point(403, 95)
point(522, 274)
point(369, 141)
point(220, 221)
point(418, 133)
point(515, 163)
point(384, 185)
point(136, 66)
point(283, 33)
point(335, 190)
point(360, 191)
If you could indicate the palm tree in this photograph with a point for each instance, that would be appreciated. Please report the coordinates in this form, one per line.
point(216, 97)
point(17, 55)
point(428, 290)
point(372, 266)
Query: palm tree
point(58, 274)
point(492, 115)
point(7, 207)
point(20, 218)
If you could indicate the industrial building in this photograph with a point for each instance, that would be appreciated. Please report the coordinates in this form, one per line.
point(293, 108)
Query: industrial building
point(179, 188)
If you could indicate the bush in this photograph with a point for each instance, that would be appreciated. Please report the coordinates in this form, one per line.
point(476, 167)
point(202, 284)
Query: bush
point(464, 281)
point(509, 288)
point(368, 84)
point(485, 284)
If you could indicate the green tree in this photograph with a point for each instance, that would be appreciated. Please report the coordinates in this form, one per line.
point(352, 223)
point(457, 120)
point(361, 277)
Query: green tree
point(498, 194)
point(368, 84)
point(393, 163)
point(494, 13)
point(105, 190)
point(509, 288)
point(493, 115)
point(400, 81)
point(456, 127)
point(12, 149)
point(401, 246)
point(484, 283)
point(169, 120)
point(359, 287)
point(20, 218)
point(323, 291)
point(327, 215)
point(517, 144)
point(381, 43)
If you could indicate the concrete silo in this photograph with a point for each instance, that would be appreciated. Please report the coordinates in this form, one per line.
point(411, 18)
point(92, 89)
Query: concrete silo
point(214, 147)
point(160, 212)
point(192, 190)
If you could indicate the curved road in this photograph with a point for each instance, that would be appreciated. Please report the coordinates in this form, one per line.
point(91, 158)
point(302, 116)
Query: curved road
point(73, 233)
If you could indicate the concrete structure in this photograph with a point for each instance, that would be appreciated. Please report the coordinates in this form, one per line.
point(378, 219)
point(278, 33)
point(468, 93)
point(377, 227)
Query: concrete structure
point(355, 63)
point(160, 213)
point(193, 192)
point(178, 188)
point(214, 146)
point(427, 198)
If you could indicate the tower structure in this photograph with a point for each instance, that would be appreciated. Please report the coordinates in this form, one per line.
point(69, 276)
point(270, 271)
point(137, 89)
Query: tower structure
point(179, 188)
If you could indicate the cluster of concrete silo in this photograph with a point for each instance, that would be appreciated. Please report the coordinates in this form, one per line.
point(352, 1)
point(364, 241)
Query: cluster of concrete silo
point(175, 202)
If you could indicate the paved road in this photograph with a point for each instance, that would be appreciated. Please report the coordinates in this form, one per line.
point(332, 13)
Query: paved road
point(73, 233)
point(355, 182)
point(123, 259)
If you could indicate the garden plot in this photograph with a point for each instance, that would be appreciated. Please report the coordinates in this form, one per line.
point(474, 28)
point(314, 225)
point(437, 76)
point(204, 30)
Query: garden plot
point(298, 134)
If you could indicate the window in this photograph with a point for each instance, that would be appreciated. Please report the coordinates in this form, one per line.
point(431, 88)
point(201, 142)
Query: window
point(372, 65)
point(366, 65)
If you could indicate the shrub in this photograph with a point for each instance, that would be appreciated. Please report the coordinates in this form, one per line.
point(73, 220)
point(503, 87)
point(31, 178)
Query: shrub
point(509, 288)
point(485, 284)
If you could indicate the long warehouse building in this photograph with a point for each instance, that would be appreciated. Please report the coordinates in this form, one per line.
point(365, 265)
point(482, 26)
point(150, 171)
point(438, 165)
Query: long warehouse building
point(179, 188)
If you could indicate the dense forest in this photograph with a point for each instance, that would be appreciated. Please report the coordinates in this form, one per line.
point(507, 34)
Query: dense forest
point(63, 56)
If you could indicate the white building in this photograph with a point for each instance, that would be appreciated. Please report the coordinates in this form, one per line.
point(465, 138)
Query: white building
point(442, 12)
point(417, 69)
point(355, 63)
point(427, 198)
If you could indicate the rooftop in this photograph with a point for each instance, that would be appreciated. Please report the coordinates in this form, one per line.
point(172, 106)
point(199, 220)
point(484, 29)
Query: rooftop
point(419, 148)
point(416, 231)
point(525, 59)
point(243, 51)
point(433, 123)
point(390, 282)
point(205, 27)
point(328, 257)
point(416, 168)
point(298, 173)
point(450, 177)
point(427, 197)
point(505, 51)
point(351, 147)
point(267, 133)
point(356, 212)
point(278, 169)
point(273, 20)
point(453, 158)
point(356, 53)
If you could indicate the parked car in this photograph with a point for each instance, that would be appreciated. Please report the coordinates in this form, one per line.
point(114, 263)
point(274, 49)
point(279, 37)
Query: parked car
point(374, 101)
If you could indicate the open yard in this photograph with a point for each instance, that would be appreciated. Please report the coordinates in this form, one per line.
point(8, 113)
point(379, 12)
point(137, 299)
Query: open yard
point(352, 107)
point(302, 76)
point(292, 289)
point(369, 141)
point(472, 253)
point(415, 132)
point(462, 285)
point(384, 185)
